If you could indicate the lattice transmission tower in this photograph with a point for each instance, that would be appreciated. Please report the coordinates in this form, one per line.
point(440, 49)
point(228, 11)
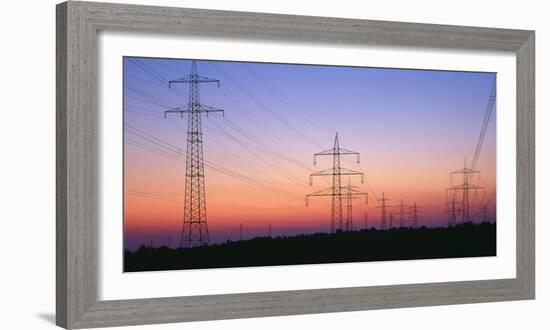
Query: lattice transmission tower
point(453, 207)
point(194, 231)
point(415, 213)
point(337, 192)
point(382, 207)
point(465, 187)
point(401, 214)
point(349, 206)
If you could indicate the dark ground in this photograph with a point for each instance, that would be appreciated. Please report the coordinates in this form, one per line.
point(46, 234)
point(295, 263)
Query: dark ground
point(470, 240)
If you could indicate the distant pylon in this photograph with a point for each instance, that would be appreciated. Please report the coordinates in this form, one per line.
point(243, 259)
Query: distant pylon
point(391, 220)
point(452, 209)
point(401, 214)
point(269, 230)
point(484, 213)
point(382, 206)
point(194, 231)
point(366, 219)
point(415, 210)
point(349, 207)
point(337, 192)
point(465, 187)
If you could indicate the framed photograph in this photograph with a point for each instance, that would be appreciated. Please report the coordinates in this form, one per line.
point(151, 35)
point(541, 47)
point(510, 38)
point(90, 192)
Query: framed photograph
point(215, 165)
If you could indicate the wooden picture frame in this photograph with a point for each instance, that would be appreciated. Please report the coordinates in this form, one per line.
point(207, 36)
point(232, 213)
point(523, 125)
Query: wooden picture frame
point(78, 24)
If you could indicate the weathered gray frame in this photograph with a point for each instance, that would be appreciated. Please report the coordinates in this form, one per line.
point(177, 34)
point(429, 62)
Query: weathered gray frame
point(77, 150)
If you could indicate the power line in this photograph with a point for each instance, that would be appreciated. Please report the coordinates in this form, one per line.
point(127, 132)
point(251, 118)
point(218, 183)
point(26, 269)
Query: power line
point(488, 111)
point(271, 151)
point(157, 76)
point(291, 105)
point(262, 105)
point(250, 116)
point(160, 100)
point(219, 169)
point(261, 145)
point(288, 175)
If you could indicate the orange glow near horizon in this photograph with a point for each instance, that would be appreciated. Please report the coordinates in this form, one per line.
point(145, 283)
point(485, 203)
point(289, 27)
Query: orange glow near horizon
point(407, 150)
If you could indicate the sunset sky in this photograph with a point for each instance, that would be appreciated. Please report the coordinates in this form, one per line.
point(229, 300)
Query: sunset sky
point(411, 127)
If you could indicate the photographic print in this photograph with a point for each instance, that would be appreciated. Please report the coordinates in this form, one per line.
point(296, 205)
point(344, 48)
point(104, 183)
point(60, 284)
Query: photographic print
point(236, 164)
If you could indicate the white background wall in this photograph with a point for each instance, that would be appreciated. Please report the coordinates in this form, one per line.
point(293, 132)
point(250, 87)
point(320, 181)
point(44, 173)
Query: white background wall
point(27, 166)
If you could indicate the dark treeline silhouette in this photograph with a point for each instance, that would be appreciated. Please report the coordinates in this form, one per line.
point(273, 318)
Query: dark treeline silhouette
point(469, 240)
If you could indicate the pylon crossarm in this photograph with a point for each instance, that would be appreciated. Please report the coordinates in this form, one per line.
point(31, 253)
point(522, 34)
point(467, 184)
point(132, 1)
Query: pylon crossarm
point(202, 108)
point(177, 110)
point(465, 170)
point(193, 79)
point(327, 152)
point(332, 152)
point(328, 171)
point(467, 186)
point(343, 151)
point(207, 109)
point(324, 192)
point(353, 191)
point(353, 195)
point(345, 171)
point(356, 193)
point(202, 79)
point(333, 171)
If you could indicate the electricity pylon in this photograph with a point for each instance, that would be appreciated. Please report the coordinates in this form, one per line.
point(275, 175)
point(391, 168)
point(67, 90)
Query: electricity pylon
point(391, 220)
point(337, 192)
point(366, 219)
point(401, 214)
point(452, 208)
point(349, 207)
point(194, 231)
point(382, 206)
point(465, 187)
point(415, 209)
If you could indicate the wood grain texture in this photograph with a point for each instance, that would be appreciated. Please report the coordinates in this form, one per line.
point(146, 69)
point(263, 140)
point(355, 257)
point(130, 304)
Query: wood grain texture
point(77, 190)
point(77, 141)
point(61, 166)
point(525, 163)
